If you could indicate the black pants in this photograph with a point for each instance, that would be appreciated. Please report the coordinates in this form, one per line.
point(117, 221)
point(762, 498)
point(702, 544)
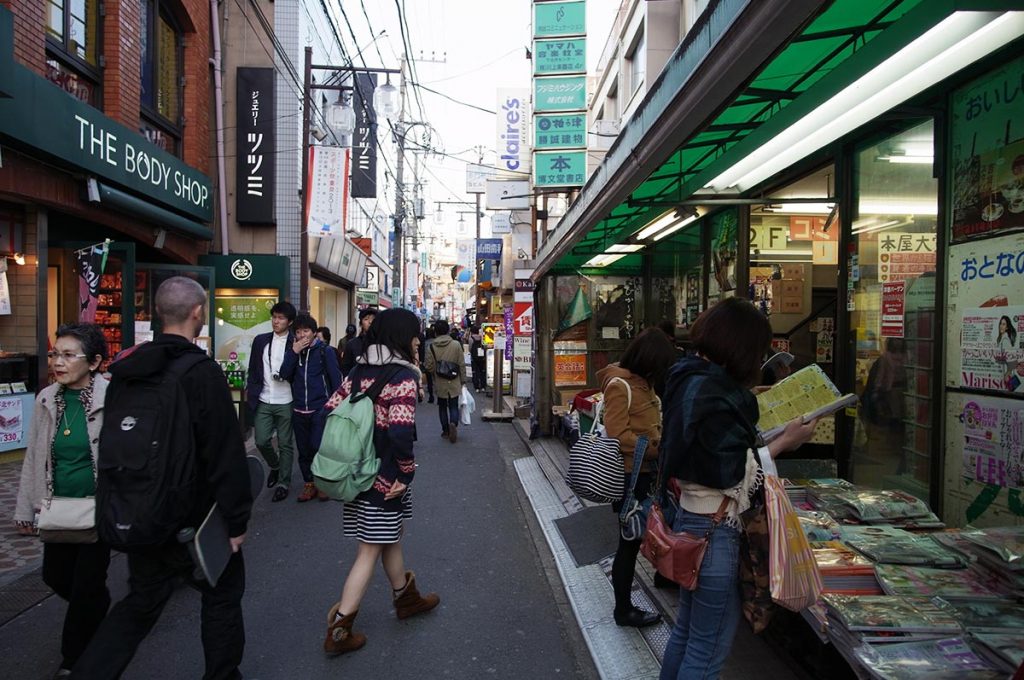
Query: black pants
point(479, 372)
point(448, 410)
point(430, 386)
point(309, 432)
point(624, 564)
point(77, 572)
point(153, 577)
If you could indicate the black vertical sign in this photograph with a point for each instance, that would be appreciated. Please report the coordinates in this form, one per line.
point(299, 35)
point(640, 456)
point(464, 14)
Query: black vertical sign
point(254, 145)
point(364, 139)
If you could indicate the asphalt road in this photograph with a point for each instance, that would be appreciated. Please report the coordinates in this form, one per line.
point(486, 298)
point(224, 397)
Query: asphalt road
point(469, 540)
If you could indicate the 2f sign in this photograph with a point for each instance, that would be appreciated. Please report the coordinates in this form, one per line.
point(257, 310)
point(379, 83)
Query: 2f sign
point(769, 238)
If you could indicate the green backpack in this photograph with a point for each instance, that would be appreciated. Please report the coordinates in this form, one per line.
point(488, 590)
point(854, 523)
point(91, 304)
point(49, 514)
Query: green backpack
point(347, 462)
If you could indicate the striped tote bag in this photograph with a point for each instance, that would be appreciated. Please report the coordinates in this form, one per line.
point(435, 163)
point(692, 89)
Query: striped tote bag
point(596, 468)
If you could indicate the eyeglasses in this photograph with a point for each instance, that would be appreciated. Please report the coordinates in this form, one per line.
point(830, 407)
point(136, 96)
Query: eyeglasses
point(66, 357)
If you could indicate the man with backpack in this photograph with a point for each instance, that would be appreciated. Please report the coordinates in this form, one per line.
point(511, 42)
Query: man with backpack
point(169, 449)
point(446, 362)
point(269, 397)
point(311, 366)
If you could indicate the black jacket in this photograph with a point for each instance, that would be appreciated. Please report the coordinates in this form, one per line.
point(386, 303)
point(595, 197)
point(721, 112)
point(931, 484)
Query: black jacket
point(254, 377)
point(220, 450)
point(353, 349)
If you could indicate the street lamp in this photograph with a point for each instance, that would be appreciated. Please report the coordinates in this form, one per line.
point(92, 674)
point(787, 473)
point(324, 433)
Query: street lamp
point(342, 119)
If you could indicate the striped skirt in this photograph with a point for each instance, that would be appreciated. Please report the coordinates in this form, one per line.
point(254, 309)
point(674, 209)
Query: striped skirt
point(371, 524)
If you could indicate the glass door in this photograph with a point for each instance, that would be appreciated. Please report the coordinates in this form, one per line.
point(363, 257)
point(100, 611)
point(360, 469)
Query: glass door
point(148, 278)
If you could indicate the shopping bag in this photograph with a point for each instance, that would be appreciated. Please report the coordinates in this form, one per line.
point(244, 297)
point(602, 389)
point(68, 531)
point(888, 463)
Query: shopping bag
point(793, 573)
point(596, 468)
point(467, 404)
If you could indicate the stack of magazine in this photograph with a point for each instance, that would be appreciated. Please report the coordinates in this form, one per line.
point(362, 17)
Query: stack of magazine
point(891, 545)
point(860, 505)
point(844, 571)
point(987, 615)
point(1003, 650)
point(1000, 550)
point(898, 579)
point(819, 526)
point(854, 620)
point(949, 658)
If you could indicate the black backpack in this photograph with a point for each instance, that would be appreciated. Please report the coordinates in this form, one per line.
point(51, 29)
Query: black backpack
point(146, 483)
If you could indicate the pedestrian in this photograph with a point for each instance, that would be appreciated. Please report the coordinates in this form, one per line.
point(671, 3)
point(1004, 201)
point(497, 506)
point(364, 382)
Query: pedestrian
point(714, 465)
point(350, 332)
point(311, 366)
point(354, 346)
point(269, 397)
point(631, 408)
point(60, 461)
point(430, 335)
point(323, 334)
point(376, 517)
point(222, 477)
point(448, 365)
point(478, 358)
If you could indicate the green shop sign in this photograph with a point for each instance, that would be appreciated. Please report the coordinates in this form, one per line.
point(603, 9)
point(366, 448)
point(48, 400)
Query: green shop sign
point(560, 93)
point(559, 131)
point(559, 168)
point(563, 55)
point(559, 18)
point(40, 115)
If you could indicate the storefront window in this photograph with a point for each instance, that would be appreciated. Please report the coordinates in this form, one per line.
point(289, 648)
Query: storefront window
point(73, 56)
point(724, 227)
point(161, 46)
point(678, 268)
point(892, 311)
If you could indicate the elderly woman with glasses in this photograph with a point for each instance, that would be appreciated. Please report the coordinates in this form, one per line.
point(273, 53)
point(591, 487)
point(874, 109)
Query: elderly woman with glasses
point(60, 461)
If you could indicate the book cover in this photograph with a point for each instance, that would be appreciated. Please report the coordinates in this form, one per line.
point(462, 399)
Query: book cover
point(897, 579)
point(808, 393)
point(835, 557)
point(1006, 542)
point(946, 658)
point(989, 616)
point(892, 545)
point(892, 613)
point(1005, 647)
point(869, 505)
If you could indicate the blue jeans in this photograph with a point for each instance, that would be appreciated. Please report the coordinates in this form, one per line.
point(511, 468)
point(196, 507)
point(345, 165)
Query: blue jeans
point(708, 616)
point(448, 410)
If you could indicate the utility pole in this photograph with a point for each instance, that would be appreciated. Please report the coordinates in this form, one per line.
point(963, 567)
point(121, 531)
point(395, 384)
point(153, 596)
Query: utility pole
point(399, 265)
point(479, 269)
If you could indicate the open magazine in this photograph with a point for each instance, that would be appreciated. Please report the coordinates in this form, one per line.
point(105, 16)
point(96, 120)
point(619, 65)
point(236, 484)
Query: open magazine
point(808, 393)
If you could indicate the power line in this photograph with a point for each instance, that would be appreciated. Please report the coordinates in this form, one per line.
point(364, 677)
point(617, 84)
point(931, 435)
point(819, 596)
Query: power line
point(453, 99)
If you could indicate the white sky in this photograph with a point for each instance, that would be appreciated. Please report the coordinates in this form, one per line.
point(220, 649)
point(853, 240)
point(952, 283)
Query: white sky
point(480, 45)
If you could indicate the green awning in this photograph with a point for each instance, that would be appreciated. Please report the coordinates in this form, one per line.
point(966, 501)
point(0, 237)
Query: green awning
point(843, 42)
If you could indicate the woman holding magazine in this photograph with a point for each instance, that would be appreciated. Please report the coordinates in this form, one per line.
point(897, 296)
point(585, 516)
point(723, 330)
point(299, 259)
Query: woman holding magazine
point(714, 465)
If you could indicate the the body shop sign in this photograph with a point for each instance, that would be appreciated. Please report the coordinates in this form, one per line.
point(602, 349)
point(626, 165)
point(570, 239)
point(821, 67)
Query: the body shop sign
point(513, 129)
point(41, 115)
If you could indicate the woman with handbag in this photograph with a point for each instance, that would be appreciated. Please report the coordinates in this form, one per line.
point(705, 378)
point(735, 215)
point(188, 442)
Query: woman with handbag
point(376, 517)
point(714, 464)
point(631, 408)
point(58, 481)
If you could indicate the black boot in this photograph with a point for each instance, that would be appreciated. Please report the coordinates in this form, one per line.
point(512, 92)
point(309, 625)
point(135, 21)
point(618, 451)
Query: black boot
point(636, 618)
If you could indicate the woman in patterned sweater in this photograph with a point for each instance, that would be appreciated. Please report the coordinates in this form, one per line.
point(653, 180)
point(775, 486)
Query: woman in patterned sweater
point(376, 517)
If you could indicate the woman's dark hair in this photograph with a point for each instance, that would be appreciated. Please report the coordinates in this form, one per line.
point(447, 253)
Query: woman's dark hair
point(89, 336)
point(350, 330)
point(1011, 332)
point(369, 311)
point(474, 329)
point(649, 356)
point(286, 309)
point(304, 320)
point(735, 335)
point(668, 327)
point(325, 332)
point(395, 328)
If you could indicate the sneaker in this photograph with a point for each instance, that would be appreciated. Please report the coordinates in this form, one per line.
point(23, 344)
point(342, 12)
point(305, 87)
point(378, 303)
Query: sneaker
point(308, 493)
point(280, 493)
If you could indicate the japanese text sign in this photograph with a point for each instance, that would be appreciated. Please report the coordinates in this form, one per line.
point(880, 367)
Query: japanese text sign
point(905, 255)
point(560, 131)
point(563, 55)
point(559, 18)
point(560, 168)
point(255, 146)
point(560, 93)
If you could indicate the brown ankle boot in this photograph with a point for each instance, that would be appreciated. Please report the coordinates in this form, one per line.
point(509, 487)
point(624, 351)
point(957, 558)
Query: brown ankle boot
point(340, 638)
point(409, 602)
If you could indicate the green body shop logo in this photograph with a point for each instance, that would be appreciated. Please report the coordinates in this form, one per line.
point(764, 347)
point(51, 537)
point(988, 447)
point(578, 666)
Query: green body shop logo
point(241, 269)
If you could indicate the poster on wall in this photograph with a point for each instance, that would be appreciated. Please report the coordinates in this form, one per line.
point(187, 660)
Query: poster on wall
point(570, 369)
point(987, 135)
point(239, 321)
point(993, 432)
point(992, 348)
point(12, 421)
point(327, 202)
point(905, 255)
point(522, 353)
point(5, 295)
point(893, 309)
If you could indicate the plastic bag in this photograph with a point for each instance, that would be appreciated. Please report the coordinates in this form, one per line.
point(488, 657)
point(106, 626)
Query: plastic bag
point(795, 581)
point(467, 404)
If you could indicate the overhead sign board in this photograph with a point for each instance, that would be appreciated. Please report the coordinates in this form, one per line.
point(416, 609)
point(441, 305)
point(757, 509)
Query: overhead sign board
point(477, 176)
point(559, 18)
point(508, 195)
point(513, 131)
point(559, 56)
point(255, 142)
point(560, 168)
point(560, 131)
point(364, 138)
point(560, 93)
point(501, 223)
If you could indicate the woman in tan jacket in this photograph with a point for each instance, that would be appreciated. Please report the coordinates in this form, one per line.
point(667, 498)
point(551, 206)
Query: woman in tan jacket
point(631, 408)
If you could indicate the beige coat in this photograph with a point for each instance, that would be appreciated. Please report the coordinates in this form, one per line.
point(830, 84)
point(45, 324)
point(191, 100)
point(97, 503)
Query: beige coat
point(32, 489)
point(445, 349)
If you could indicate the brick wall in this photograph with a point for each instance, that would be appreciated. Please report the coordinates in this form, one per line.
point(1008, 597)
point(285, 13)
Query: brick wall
point(122, 89)
point(198, 93)
point(29, 38)
point(18, 331)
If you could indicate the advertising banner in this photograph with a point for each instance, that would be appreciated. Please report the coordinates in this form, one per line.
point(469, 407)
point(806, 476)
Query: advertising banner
point(5, 295)
point(559, 18)
point(570, 369)
point(522, 353)
point(993, 430)
point(12, 420)
point(477, 176)
point(488, 249)
point(255, 146)
point(992, 349)
point(508, 332)
point(563, 55)
point(523, 318)
point(559, 131)
point(465, 260)
point(328, 191)
point(560, 93)
point(364, 138)
point(561, 169)
point(239, 321)
point(501, 223)
point(905, 255)
point(513, 132)
point(90, 262)
point(893, 309)
point(987, 130)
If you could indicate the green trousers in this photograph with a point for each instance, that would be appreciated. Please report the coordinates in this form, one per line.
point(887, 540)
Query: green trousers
point(270, 417)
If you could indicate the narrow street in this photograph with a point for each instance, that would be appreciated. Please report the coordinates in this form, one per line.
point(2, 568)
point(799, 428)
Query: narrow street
point(469, 540)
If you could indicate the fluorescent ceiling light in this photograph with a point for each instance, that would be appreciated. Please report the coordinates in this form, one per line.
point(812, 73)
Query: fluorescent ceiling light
point(675, 227)
point(800, 208)
point(882, 207)
point(910, 160)
point(604, 259)
point(913, 69)
point(657, 225)
point(796, 252)
point(625, 248)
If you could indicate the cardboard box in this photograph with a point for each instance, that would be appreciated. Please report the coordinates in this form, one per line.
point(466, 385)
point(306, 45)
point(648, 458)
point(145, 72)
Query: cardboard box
point(792, 289)
point(794, 272)
point(792, 305)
